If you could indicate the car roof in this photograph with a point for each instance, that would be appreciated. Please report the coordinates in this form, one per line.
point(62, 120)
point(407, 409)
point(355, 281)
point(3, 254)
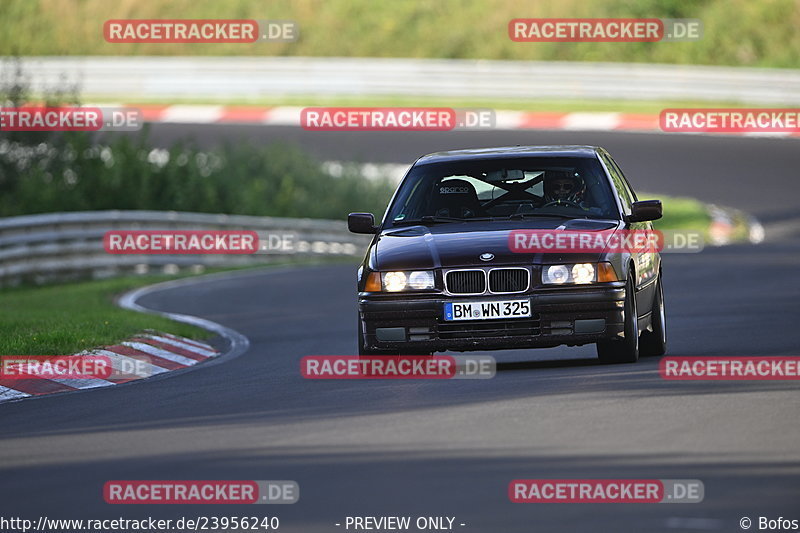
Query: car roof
point(510, 151)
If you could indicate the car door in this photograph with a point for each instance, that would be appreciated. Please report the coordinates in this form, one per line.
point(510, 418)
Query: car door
point(646, 264)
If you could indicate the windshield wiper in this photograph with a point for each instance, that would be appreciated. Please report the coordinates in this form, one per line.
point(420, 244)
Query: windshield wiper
point(434, 220)
point(520, 216)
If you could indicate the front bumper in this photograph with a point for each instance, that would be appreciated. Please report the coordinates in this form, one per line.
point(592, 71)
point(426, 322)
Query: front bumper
point(414, 323)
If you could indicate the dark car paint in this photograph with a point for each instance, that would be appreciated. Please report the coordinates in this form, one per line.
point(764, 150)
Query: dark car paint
point(462, 243)
point(443, 246)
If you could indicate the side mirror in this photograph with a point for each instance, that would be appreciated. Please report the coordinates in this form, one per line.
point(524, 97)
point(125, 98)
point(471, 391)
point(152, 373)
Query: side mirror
point(645, 210)
point(361, 223)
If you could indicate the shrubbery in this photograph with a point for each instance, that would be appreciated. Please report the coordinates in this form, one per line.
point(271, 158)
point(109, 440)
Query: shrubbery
point(755, 33)
point(45, 172)
point(70, 172)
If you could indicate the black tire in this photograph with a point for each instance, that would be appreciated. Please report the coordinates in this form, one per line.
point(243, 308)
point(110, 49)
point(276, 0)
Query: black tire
point(654, 343)
point(362, 350)
point(625, 350)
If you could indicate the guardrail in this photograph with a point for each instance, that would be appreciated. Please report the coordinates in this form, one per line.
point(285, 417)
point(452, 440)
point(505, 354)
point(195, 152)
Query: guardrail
point(69, 246)
point(240, 78)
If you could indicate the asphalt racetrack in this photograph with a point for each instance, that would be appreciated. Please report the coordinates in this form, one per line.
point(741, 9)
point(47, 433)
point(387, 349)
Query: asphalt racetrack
point(450, 448)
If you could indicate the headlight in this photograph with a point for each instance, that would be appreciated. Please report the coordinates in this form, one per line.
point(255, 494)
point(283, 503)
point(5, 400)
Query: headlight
point(421, 279)
point(583, 273)
point(577, 273)
point(555, 274)
point(394, 281)
point(400, 281)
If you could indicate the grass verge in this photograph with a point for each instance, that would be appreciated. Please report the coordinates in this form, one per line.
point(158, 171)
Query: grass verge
point(65, 319)
point(68, 318)
point(680, 213)
point(532, 105)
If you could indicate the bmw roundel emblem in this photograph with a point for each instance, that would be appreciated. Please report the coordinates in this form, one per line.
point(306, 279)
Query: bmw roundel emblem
point(487, 256)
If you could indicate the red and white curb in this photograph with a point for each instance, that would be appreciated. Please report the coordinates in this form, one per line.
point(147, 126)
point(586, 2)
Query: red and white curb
point(505, 120)
point(150, 354)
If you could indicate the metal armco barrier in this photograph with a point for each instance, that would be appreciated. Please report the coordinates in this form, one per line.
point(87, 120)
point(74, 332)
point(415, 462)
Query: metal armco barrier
point(165, 78)
point(69, 246)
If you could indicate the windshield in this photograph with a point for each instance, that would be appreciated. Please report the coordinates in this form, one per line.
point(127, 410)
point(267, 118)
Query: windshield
point(569, 187)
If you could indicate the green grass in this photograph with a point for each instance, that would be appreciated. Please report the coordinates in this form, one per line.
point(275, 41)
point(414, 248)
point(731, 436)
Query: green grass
point(688, 214)
point(535, 105)
point(680, 213)
point(736, 32)
point(65, 319)
point(692, 215)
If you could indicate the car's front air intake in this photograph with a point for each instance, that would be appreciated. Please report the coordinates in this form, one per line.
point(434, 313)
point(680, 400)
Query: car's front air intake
point(501, 280)
point(508, 280)
point(466, 281)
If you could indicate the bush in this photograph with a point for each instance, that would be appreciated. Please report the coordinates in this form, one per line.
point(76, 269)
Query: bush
point(756, 33)
point(75, 171)
point(70, 172)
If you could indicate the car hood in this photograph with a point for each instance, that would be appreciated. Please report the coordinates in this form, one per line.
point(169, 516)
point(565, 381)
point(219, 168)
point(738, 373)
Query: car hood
point(462, 244)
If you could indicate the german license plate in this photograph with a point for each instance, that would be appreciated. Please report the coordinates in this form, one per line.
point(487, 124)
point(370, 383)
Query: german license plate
point(487, 310)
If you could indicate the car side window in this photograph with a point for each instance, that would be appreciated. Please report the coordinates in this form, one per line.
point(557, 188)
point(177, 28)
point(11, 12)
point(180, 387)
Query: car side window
point(625, 181)
point(620, 184)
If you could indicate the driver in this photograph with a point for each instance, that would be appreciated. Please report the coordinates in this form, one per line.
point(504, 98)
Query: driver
point(563, 186)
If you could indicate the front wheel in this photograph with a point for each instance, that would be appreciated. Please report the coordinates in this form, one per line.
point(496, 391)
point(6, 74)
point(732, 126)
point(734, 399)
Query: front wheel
point(654, 342)
point(626, 349)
